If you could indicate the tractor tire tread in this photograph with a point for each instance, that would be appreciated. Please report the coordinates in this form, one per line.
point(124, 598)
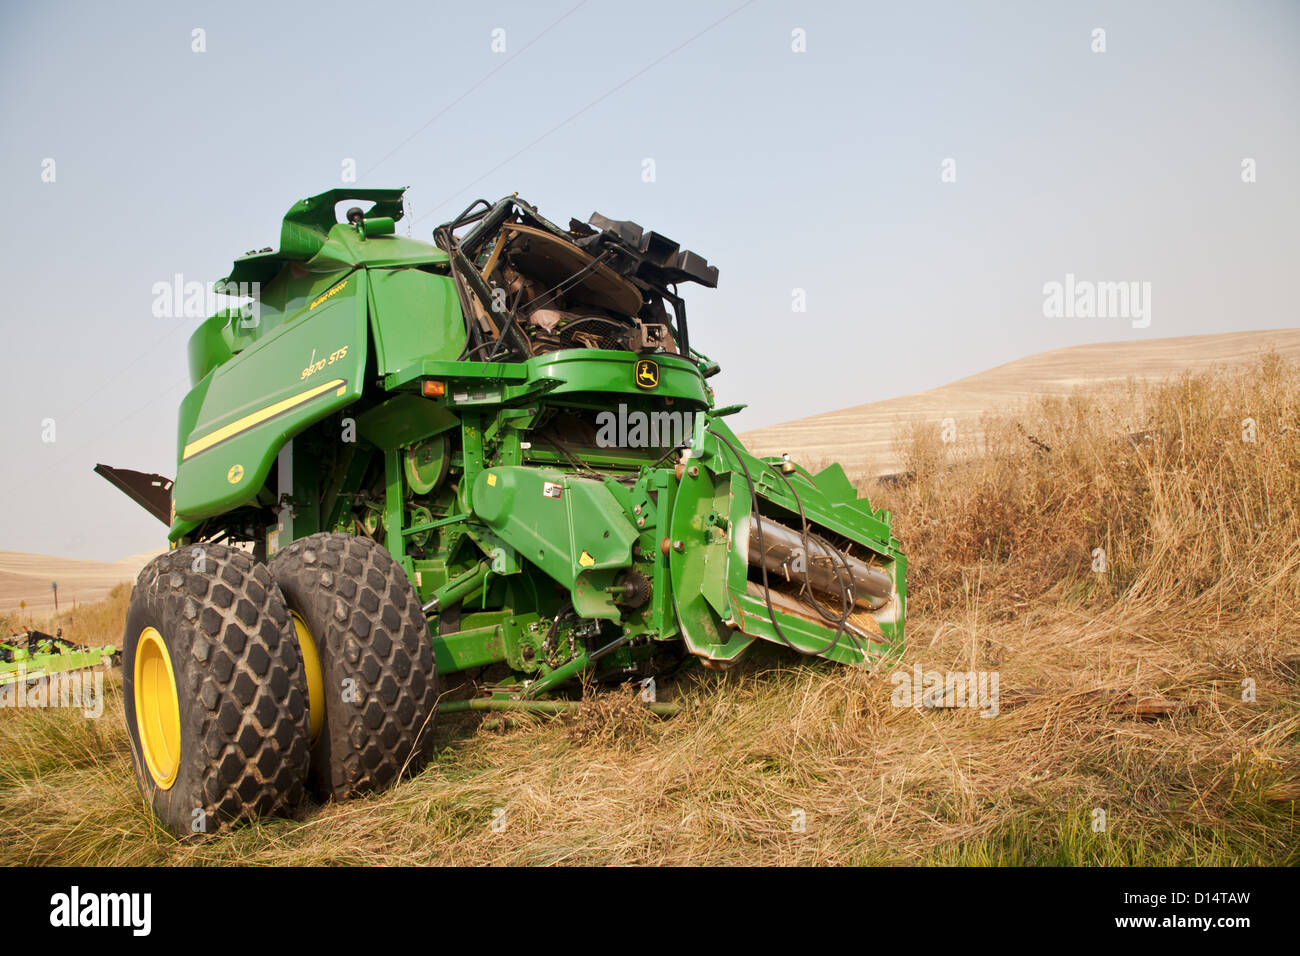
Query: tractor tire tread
point(376, 659)
point(241, 685)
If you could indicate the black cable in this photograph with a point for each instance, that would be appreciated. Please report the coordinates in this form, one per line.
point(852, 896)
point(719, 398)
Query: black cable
point(666, 455)
point(443, 237)
point(505, 329)
point(848, 594)
point(478, 348)
point(762, 564)
point(565, 608)
point(574, 460)
point(565, 284)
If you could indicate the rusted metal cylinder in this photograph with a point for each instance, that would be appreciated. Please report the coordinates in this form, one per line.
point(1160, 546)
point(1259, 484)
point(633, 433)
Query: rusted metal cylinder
point(821, 568)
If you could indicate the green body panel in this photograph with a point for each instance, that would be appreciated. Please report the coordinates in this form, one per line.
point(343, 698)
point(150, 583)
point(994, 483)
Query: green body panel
point(699, 568)
point(311, 224)
point(549, 555)
point(593, 373)
point(605, 373)
point(309, 366)
point(397, 294)
point(404, 420)
point(469, 647)
point(572, 528)
point(307, 315)
point(712, 519)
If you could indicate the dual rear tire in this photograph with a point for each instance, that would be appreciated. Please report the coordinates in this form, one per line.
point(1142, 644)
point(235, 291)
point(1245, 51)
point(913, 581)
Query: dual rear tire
point(354, 605)
point(247, 685)
point(214, 689)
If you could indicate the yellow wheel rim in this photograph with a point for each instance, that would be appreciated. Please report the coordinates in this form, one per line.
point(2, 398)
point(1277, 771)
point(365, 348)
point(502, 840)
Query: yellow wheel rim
point(157, 709)
point(315, 682)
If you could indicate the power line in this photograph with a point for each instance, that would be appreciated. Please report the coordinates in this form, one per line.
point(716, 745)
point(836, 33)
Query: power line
point(96, 393)
point(491, 73)
point(598, 100)
point(513, 156)
point(104, 432)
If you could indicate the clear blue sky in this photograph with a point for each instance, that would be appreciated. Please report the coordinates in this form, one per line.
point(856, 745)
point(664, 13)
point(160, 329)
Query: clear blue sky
point(817, 170)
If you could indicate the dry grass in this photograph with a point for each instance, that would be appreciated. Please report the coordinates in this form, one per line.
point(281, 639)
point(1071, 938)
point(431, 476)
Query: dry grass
point(1201, 592)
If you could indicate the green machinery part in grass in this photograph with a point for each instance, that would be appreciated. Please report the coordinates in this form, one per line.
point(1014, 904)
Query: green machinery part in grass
point(33, 655)
point(497, 453)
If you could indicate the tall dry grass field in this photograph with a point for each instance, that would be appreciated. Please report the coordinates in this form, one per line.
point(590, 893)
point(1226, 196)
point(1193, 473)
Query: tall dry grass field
point(1126, 560)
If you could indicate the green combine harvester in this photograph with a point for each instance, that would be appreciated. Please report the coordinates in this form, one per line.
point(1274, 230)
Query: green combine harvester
point(33, 655)
point(498, 454)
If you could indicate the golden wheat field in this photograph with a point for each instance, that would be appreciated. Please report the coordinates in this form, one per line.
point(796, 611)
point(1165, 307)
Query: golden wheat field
point(1126, 559)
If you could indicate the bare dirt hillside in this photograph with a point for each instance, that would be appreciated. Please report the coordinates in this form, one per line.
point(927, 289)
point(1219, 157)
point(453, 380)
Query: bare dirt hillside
point(27, 577)
point(863, 438)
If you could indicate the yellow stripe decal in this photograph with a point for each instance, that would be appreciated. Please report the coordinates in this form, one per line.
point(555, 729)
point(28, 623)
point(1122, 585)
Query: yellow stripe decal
point(256, 418)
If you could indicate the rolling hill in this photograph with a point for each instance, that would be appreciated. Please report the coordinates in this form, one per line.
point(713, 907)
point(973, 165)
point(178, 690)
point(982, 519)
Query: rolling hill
point(27, 578)
point(862, 438)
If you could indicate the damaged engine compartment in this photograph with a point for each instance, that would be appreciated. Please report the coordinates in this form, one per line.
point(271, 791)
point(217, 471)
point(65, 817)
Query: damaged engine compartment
point(528, 286)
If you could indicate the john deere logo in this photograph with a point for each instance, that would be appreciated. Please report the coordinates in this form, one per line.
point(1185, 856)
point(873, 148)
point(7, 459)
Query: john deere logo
point(647, 374)
point(235, 475)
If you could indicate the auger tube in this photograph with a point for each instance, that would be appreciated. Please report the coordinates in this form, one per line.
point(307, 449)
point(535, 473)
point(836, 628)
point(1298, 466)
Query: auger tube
point(821, 569)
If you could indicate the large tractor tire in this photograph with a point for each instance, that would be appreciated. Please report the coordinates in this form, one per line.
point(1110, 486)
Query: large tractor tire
point(215, 691)
point(375, 691)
